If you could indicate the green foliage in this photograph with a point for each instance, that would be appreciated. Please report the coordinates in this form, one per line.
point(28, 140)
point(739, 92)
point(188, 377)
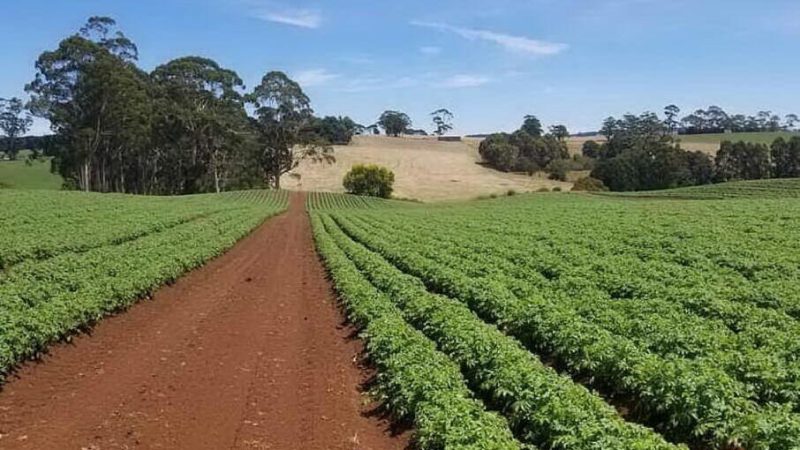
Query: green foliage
point(415, 381)
point(394, 123)
point(283, 116)
point(742, 161)
point(558, 169)
point(370, 180)
point(786, 158)
point(699, 341)
point(335, 130)
point(542, 407)
point(321, 201)
point(95, 254)
point(15, 121)
point(521, 151)
point(591, 149)
point(640, 155)
point(532, 126)
point(755, 189)
point(589, 184)
point(442, 120)
point(29, 174)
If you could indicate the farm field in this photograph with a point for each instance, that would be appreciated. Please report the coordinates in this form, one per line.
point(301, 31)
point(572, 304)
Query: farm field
point(754, 189)
point(246, 351)
point(707, 143)
point(425, 169)
point(635, 323)
point(22, 175)
point(95, 254)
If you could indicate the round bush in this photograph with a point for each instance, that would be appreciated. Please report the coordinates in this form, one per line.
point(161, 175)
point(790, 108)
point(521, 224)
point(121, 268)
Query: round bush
point(589, 184)
point(370, 180)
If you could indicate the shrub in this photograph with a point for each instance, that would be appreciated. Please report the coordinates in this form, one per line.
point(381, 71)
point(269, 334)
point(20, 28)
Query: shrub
point(591, 149)
point(511, 193)
point(370, 180)
point(589, 184)
point(557, 189)
point(558, 169)
point(543, 189)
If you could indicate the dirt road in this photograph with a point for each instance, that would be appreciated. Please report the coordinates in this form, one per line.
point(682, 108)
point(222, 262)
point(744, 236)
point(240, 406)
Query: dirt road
point(248, 352)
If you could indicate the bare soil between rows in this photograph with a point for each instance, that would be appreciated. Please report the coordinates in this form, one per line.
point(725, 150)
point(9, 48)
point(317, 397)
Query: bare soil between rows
point(247, 352)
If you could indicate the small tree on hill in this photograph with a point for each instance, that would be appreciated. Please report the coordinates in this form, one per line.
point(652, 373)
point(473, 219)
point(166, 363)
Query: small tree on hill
point(370, 180)
point(15, 121)
point(394, 123)
point(284, 115)
point(532, 126)
point(560, 132)
point(442, 120)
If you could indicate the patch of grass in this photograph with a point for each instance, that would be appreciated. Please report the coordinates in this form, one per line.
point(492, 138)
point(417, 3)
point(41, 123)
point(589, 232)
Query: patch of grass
point(23, 174)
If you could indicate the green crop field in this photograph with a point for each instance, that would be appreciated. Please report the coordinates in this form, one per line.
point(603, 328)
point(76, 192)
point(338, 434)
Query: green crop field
point(757, 138)
point(20, 174)
point(774, 189)
point(580, 321)
point(68, 259)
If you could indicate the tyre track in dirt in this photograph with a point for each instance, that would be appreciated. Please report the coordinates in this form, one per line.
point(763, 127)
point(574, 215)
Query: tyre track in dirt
point(247, 352)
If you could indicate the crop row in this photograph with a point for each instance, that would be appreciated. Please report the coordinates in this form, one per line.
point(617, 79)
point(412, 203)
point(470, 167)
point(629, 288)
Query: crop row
point(775, 188)
point(66, 222)
point(544, 408)
point(44, 301)
point(328, 200)
point(690, 401)
point(415, 381)
point(662, 326)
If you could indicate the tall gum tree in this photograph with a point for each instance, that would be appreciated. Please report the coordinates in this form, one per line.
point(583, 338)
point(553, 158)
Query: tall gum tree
point(284, 123)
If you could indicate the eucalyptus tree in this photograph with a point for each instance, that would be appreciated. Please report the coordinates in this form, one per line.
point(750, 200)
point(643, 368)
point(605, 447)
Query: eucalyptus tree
point(199, 119)
point(284, 123)
point(443, 121)
point(394, 123)
point(94, 97)
point(15, 121)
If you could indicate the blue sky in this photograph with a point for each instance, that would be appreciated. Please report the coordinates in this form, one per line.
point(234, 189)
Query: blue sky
point(490, 62)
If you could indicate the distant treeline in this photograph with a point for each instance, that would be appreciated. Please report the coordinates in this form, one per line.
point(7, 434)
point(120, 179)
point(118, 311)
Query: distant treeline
point(188, 126)
point(42, 145)
point(640, 153)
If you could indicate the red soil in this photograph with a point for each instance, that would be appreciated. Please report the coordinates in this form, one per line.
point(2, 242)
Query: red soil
point(248, 352)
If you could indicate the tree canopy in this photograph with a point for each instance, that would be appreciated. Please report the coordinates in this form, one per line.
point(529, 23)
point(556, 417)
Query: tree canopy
point(15, 121)
point(394, 123)
point(181, 129)
point(442, 120)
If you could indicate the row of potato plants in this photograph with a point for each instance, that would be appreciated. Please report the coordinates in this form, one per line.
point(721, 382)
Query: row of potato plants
point(45, 301)
point(659, 325)
point(415, 381)
point(543, 407)
point(774, 188)
point(690, 401)
point(327, 200)
point(689, 279)
point(74, 222)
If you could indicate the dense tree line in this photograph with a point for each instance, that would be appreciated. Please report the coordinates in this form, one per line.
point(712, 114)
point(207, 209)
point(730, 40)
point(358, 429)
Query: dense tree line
point(182, 128)
point(714, 119)
point(529, 150)
point(640, 153)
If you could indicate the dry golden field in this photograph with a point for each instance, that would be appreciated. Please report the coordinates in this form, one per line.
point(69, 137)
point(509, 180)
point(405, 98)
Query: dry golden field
point(425, 169)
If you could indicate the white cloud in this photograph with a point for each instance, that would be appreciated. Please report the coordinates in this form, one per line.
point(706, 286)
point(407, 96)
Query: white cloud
point(520, 44)
point(314, 77)
point(464, 81)
point(430, 50)
point(303, 18)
